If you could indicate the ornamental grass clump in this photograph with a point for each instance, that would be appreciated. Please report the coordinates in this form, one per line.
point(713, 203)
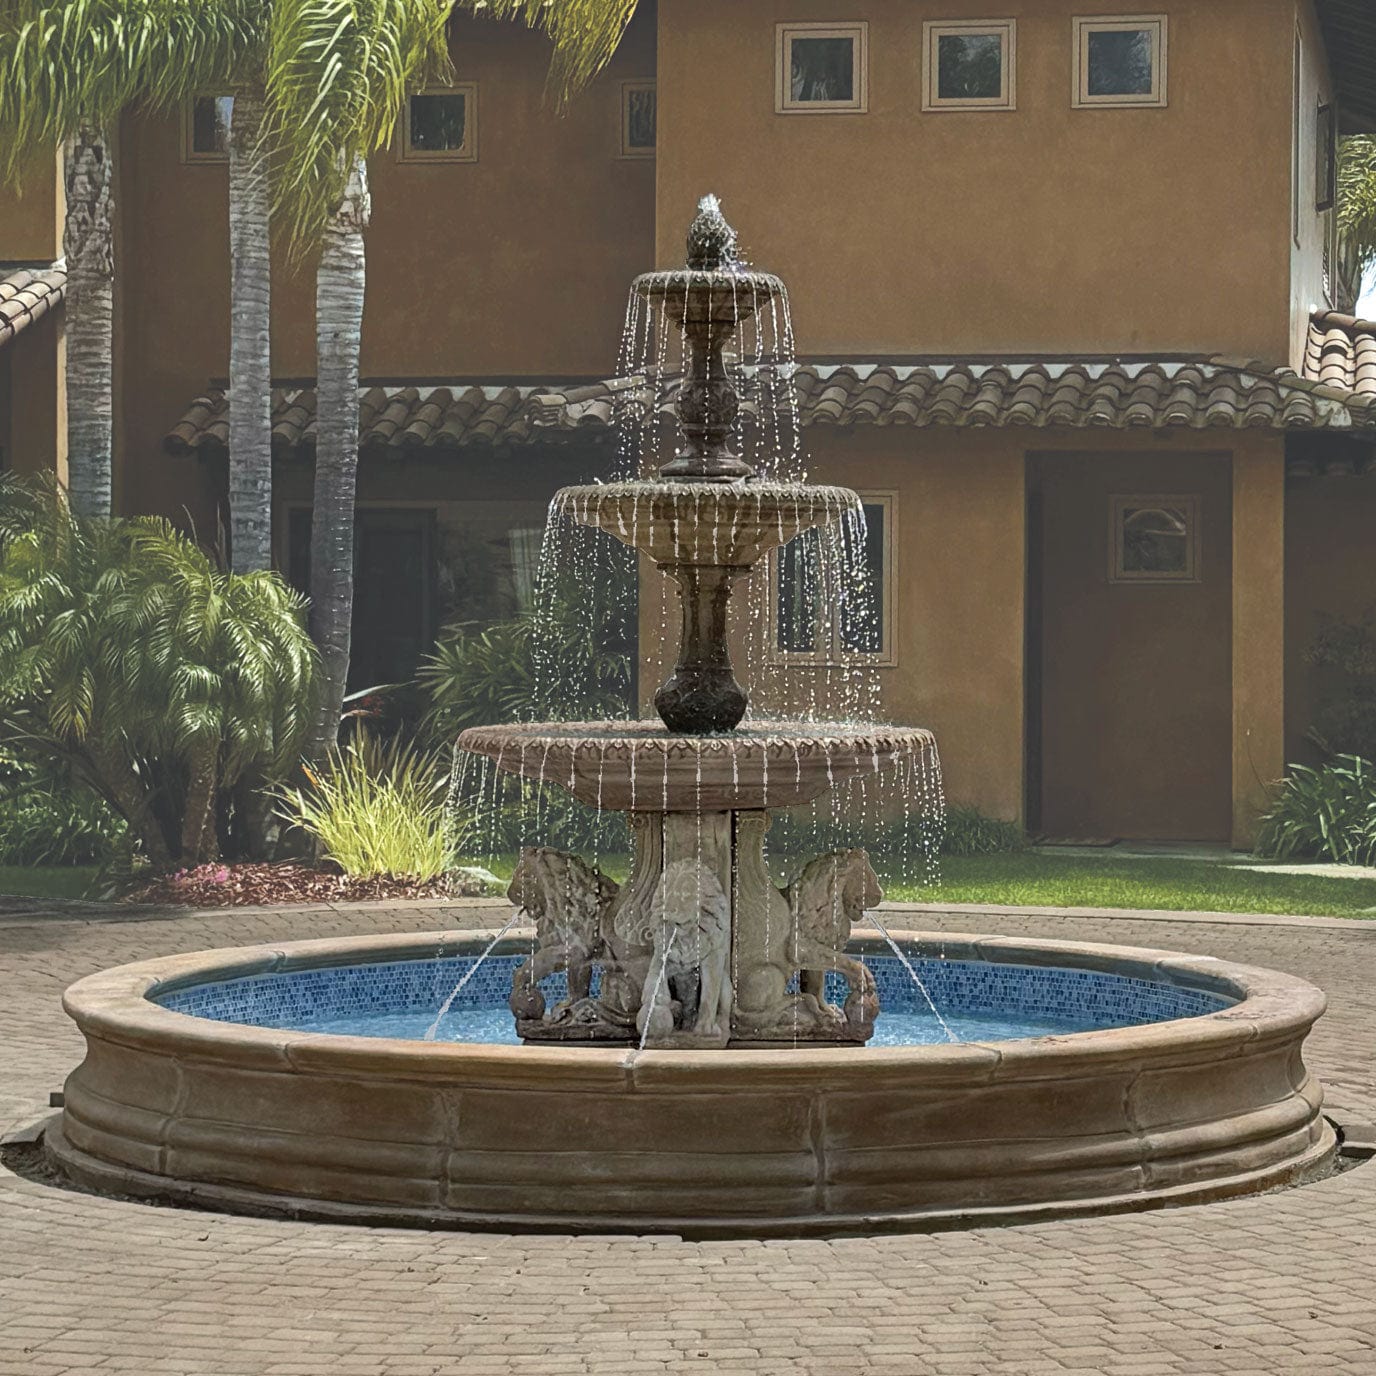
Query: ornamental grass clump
point(376, 809)
point(1327, 813)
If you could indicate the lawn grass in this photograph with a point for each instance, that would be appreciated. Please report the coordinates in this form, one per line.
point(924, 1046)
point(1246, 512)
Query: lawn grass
point(46, 881)
point(1037, 879)
point(1033, 879)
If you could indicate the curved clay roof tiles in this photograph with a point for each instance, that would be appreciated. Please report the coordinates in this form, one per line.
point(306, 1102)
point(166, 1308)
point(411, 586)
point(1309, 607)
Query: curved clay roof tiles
point(27, 295)
point(1123, 394)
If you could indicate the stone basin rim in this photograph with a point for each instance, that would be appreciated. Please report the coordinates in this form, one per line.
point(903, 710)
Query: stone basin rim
point(118, 1004)
point(752, 736)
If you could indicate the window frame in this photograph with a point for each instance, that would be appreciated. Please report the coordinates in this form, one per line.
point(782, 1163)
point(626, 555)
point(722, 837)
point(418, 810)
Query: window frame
point(1192, 506)
point(833, 655)
point(628, 88)
point(1082, 26)
point(784, 34)
point(190, 154)
point(468, 153)
point(934, 30)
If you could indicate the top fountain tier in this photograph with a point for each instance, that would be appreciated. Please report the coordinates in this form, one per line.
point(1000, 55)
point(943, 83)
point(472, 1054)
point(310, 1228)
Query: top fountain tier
point(715, 289)
point(708, 300)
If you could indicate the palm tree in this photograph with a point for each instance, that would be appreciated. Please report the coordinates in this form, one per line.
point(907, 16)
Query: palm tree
point(337, 73)
point(1356, 216)
point(165, 681)
point(68, 68)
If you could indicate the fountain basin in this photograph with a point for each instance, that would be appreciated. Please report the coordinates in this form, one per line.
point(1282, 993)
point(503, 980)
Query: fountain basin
point(639, 766)
point(279, 1120)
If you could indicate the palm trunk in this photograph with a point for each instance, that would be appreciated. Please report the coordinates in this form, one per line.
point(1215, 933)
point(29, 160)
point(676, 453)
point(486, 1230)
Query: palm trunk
point(129, 793)
point(250, 354)
point(339, 288)
point(198, 823)
point(88, 242)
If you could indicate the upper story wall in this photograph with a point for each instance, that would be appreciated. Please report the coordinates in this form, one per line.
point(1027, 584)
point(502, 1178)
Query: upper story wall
point(31, 214)
point(1042, 229)
point(513, 264)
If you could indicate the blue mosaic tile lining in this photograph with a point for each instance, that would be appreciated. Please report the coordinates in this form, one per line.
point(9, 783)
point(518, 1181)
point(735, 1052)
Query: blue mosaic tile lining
point(1084, 999)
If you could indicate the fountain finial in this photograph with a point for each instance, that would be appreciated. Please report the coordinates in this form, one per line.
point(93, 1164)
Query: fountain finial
point(711, 241)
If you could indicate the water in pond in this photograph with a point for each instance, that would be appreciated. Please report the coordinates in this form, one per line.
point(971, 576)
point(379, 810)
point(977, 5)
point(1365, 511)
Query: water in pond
point(977, 1000)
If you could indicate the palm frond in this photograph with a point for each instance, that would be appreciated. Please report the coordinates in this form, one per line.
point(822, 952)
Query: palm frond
point(336, 74)
point(65, 63)
point(1357, 198)
point(585, 34)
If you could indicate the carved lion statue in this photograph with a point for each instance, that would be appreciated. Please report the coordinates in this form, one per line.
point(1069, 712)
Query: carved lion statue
point(566, 897)
point(827, 899)
point(692, 951)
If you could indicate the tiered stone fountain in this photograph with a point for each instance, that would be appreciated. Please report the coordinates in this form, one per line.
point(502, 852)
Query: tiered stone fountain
point(310, 1078)
point(699, 949)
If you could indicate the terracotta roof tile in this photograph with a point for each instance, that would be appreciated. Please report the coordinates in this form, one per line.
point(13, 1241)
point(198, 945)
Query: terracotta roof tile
point(1341, 352)
point(1140, 394)
point(27, 295)
point(390, 419)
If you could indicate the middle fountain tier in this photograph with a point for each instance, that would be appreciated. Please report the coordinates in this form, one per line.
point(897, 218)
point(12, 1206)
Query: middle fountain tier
point(699, 948)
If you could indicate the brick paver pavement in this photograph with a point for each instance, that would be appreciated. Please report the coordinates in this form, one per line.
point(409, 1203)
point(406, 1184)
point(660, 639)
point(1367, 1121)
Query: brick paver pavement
point(1282, 1285)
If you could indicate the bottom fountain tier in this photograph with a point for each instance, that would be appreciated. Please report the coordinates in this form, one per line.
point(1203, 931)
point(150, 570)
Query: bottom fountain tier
point(699, 948)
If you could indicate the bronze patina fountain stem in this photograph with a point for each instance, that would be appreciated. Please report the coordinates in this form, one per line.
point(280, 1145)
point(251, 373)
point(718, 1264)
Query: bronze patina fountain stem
point(703, 689)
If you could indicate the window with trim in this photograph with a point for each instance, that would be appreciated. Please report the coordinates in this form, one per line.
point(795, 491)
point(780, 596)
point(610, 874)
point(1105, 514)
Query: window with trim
point(969, 65)
point(821, 68)
point(1154, 539)
point(1120, 61)
point(639, 114)
point(441, 125)
point(812, 623)
point(205, 128)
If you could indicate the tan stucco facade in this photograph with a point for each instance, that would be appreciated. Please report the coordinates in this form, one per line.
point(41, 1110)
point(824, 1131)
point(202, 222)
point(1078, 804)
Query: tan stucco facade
point(1041, 229)
point(1057, 697)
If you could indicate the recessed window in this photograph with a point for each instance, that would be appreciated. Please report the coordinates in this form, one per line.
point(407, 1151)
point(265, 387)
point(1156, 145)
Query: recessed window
point(821, 68)
point(818, 623)
point(1155, 540)
point(969, 65)
point(638, 117)
point(205, 128)
point(1326, 167)
point(1120, 61)
point(441, 125)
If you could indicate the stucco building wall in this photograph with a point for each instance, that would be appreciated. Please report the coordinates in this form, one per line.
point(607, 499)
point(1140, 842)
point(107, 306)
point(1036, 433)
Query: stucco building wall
point(1037, 230)
point(513, 266)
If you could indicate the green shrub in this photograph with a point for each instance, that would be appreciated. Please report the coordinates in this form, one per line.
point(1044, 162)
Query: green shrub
point(969, 832)
point(1327, 812)
point(376, 809)
point(171, 689)
point(568, 660)
point(48, 819)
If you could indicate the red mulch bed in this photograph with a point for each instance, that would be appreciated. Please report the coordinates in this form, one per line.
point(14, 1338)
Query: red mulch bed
point(233, 886)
